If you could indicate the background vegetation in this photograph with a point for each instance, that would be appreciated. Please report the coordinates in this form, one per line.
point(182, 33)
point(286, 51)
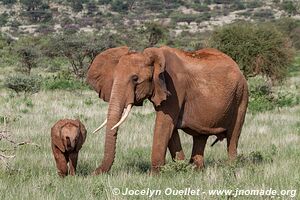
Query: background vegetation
point(47, 46)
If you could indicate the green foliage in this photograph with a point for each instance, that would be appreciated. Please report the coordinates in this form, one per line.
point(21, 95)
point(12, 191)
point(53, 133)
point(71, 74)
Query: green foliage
point(258, 49)
point(155, 33)
point(91, 7)
point(261, 98)
point(63, 81)
point(290, 7)
point(80, 49)
point(290, 27)
point(3, 19)
point(8, 2)
point(264, 98)
point(36, 10)
point(119, 6)
point(265, 14)
point(180, 17)
point(178, 166)
point(23, 83)
point(28, 53)
point(253, 4)
point(77, 5)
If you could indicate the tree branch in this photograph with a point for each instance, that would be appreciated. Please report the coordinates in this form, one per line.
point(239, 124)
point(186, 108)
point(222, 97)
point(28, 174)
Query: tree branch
point(4, 136)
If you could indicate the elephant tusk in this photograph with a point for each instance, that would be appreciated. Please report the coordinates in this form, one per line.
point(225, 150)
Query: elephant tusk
point(101, 126)
point(126, 113)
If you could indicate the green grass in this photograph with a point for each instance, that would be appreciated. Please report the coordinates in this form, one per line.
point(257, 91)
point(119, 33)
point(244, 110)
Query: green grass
point(269, 152)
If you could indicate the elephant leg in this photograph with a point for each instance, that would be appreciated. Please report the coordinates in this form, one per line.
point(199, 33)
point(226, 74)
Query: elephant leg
point(162, 133)
point(73, 157)
point(175, 147)
point(234, 135)
point(197, 156)
point(61, 162)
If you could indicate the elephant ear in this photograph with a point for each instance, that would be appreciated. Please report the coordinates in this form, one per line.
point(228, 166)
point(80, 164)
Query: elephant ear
point(100, 73)
point(56, 135)
point(82, 135)
point(157, 59)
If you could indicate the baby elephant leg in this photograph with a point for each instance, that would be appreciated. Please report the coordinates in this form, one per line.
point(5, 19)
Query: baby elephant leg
point(199, 143)
point(73, 162)
point(61, 162)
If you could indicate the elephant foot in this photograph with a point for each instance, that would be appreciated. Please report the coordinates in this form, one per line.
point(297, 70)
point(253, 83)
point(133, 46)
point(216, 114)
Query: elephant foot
point(154, 171)
point(198, 161)
point(97, 171)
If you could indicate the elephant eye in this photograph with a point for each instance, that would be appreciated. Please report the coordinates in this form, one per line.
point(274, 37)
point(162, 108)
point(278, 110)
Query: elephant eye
point(135, 78)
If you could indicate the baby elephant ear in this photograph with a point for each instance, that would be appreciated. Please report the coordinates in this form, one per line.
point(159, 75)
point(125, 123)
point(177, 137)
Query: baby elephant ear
point(56, 136)
point(82, 135)
point(100, 73)
point(157, 59)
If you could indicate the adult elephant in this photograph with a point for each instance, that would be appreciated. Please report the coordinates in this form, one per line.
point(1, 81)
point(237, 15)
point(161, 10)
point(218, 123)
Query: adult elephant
point(203, 93)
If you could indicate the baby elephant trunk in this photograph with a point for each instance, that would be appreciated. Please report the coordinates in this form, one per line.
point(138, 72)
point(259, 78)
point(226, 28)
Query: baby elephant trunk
point(70, 145)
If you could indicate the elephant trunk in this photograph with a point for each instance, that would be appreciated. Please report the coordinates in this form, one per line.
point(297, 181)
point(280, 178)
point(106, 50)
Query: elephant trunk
point(115, 110)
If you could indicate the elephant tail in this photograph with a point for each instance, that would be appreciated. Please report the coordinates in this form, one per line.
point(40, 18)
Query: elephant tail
point(216, 140)
point(220, 137)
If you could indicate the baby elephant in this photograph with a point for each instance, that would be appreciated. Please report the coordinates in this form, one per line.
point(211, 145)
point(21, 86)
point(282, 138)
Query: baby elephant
point(67, 137)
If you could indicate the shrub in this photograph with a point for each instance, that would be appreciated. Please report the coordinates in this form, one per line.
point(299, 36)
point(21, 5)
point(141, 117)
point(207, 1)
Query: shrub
point(264, 14)
point(3, 19)
point(258, 49)
point(9, 2)
point(263, 98)
point(178, 166)
point(119, 6)
point(77, 5)
point(289, 7)
point(23, 83)
point(154, 33)
point(63, 81)
point(290, 27)
point(180, 17)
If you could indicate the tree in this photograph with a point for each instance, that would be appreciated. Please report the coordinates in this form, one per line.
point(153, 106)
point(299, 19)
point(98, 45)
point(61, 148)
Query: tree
point(80, 49)
point(28, 53)
point(119, 6)
point(37, 10)
point(258, 49)
point(289, 7)
point(154, 33)
point(91, 7)
point(9, 2)
point(77, 5)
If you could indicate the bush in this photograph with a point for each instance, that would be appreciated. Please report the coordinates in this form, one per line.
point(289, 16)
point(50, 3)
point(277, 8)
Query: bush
point(3, 19)
point(180, 17)
point(290, 27)
point(258, 49)
point(289, 7)
point(263, 98)
point(63, 81)
point(9, 2)
point(263, 15)
point(23, 83)
point(119, 6)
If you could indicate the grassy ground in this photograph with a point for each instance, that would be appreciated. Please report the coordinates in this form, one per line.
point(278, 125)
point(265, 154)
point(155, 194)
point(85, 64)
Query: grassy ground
point(269, 152)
